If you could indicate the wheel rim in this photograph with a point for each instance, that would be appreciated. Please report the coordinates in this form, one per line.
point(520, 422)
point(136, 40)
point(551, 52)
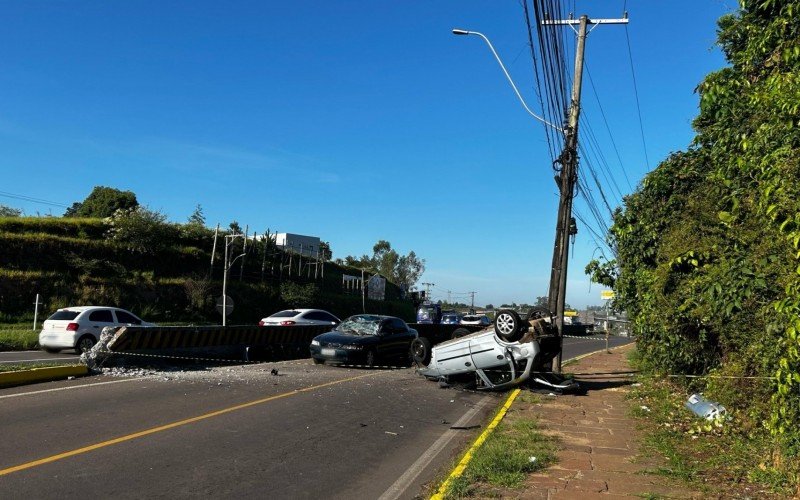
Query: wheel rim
point(418, 350)
point(85, 345)
point(505, 324)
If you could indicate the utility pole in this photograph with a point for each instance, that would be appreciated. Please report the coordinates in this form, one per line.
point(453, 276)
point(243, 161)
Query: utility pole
point(428, 290)
point(472, 303)
point(229, 238)
point(565, 226)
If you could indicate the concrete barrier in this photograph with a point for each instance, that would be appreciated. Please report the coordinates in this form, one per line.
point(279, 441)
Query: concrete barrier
point(8, 379)
point(180, 340)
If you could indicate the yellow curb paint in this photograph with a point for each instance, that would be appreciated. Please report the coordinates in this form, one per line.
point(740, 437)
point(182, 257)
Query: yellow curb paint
point(462, 465)
point(172, 425)
point(40, 374)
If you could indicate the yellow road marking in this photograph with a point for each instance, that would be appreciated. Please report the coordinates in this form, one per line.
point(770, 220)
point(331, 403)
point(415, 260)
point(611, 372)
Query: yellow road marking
point(172, 425)
point(439, 495)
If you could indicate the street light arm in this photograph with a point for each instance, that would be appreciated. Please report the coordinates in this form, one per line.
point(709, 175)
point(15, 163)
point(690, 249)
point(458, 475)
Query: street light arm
point(502, 66)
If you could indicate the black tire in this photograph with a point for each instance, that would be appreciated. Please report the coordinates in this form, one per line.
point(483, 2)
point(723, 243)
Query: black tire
point(84, 343)
point(52, 350)
point(508, 325)
point(370, 359)
point(421, 351)
point(318, 361)
point(460, 332)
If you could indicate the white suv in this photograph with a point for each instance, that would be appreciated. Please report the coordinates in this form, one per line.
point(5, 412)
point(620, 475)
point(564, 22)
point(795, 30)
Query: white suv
point(79, 327)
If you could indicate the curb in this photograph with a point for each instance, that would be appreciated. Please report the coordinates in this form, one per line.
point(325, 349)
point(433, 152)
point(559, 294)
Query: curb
point(22, 377)
point(462, 464)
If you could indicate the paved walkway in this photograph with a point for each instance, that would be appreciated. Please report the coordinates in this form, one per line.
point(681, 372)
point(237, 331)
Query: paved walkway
point(599, 441)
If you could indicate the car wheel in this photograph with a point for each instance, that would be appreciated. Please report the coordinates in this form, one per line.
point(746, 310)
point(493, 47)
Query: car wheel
point(460, 332)
point(370, 359)
point(421, 351)
point(508, 325)
point(52, 350)
point(84, 344)
point(318, 361)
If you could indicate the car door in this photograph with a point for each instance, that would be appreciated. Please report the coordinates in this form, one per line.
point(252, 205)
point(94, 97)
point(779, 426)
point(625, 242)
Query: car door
point(486, 352)
point(395, 339)
point(99, 319)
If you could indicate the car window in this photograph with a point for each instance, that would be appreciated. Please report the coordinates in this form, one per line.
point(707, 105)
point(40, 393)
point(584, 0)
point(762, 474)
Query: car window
point(101, 316)
point(124, 317)
point(397, 325)
point(65, 315)
point(328, 317)
point(360, 325)
point(285, 314)
point(319, 316)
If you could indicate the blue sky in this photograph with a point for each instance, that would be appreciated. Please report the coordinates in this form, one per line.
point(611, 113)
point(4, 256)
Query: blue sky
point(351, 121)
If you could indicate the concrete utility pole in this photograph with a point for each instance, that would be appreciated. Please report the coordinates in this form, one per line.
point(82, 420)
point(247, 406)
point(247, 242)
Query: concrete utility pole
point(565, 226)
point(228, 265)
point(428, 290)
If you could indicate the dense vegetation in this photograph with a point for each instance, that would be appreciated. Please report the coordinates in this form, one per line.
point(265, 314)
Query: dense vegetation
point(708, 263)
point(163, 271)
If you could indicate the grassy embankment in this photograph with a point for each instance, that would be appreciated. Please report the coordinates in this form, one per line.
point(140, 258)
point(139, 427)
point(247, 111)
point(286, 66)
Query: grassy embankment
point(18, 337)
point(728, 457)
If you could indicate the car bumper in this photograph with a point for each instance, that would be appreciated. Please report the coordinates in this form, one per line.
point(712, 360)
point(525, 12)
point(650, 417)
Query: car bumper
point(338, 355)
point(57, 339)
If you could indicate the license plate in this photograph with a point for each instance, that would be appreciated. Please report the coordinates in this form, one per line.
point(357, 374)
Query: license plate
point(328, 352)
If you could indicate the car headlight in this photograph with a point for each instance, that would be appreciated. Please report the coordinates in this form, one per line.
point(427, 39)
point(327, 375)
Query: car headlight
point(315, 342)
point(352, 347)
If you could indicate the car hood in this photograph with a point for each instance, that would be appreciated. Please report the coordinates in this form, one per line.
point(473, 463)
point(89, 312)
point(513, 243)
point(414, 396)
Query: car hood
point(337, 337)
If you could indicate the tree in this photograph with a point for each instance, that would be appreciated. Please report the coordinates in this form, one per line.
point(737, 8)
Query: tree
point(140, 229)
point(235, 228)
point(403, 270)
point(103, 202)
point(197, 218)
point(325, 250)
point(6, 211)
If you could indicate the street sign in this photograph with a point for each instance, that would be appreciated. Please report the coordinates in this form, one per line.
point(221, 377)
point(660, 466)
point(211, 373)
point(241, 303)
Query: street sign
point(228, 305)
point(606, 294)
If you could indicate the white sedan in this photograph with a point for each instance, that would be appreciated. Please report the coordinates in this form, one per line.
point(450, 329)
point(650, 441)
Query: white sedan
point(300, 317)
point(79, 327)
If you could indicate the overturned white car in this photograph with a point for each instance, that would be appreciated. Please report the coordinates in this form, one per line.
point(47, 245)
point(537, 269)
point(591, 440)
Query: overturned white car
point(496, 363)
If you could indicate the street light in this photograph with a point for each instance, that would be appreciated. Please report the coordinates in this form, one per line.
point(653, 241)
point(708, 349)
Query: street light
point(457, 31)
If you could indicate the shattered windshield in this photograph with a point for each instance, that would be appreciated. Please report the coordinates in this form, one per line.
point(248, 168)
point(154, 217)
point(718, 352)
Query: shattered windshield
point(360, 325)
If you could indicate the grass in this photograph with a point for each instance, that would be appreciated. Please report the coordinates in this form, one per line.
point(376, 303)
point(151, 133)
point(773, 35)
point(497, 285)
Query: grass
point(18, 337)
point(505, 458)
point(732, 458)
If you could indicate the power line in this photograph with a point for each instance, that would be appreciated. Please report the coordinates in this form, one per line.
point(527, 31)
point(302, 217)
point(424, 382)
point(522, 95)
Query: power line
point(32, 199)
point(636, 93)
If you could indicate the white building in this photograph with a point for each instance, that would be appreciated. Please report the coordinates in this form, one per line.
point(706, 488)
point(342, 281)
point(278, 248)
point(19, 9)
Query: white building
point(297, 243)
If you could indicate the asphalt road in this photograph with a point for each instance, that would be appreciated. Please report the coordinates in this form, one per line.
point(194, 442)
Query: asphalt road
point(22, 357)
point(240, 431)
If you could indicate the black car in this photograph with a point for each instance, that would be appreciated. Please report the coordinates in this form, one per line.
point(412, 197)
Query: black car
point(364, 339)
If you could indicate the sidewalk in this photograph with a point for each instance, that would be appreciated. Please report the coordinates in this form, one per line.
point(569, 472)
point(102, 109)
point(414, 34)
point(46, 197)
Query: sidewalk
point(598, 440)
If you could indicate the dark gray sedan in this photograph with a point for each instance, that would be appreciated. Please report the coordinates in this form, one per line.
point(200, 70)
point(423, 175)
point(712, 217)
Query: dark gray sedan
point(365, 339)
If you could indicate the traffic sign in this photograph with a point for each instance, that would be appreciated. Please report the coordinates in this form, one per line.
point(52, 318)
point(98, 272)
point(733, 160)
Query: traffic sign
point(228, 305)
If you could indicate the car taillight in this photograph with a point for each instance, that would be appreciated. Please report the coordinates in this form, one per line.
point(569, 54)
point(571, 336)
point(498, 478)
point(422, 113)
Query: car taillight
point(72, 327)
point(261, 323)
point(287, 323)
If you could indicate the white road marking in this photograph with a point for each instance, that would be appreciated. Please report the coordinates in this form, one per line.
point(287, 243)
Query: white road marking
point(71, 387)
point(422, 463)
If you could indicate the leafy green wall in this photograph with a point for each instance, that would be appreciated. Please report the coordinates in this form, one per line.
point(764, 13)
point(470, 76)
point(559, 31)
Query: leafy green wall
point(708, 263)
